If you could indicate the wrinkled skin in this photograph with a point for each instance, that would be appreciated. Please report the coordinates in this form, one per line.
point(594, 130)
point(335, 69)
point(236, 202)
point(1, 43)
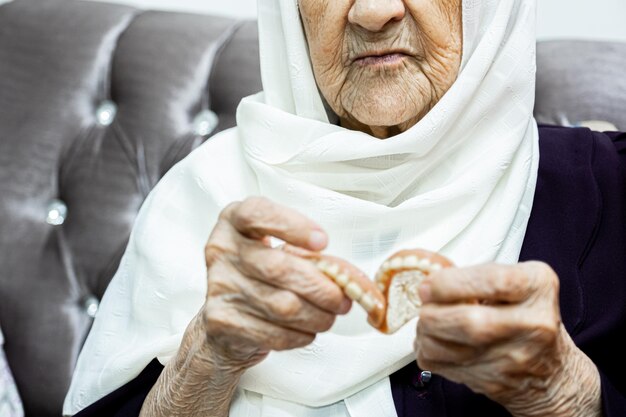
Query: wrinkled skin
point(258, 299)
point(511, 346)
point(261, 299)
point(383, 98)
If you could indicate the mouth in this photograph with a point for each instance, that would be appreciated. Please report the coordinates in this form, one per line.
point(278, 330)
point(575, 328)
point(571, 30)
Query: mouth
point(380, 58)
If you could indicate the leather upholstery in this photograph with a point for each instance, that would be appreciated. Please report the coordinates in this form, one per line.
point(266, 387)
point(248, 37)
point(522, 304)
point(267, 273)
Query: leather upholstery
point(581, 80)
point(59, 61)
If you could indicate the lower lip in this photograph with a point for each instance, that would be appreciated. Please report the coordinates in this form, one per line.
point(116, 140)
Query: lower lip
point(389, 59)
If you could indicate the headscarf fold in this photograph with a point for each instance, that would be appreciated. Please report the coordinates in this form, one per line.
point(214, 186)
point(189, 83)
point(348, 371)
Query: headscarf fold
point(461, 181)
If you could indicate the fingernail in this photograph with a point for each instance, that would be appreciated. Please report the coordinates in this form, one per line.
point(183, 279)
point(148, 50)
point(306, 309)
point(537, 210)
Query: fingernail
point(425, 292)
point(318, 240)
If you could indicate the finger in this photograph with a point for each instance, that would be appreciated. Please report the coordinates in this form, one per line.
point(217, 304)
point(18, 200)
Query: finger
point(221, 241)
point(494, 376)
point(224, 321)
point(299, 252)
point(481, 325)
point(259, 217)
point(430, 349)
point(492, 283)
point(288, 272)
point(355, 284)
point(277, 306)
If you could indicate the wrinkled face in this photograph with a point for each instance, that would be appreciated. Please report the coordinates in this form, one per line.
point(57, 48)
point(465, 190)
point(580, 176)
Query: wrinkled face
point(383, 64)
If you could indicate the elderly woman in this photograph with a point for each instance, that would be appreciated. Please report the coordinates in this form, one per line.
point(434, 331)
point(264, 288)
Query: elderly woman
point(384, 125)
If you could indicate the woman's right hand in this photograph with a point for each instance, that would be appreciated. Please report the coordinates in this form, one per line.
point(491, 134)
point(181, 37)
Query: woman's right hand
point(260, 298)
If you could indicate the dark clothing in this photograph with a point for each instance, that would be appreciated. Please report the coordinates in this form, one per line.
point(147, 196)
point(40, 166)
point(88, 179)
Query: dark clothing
point(577, 226)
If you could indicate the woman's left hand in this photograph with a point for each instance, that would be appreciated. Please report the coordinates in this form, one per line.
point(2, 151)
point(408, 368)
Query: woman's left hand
point(498, 330)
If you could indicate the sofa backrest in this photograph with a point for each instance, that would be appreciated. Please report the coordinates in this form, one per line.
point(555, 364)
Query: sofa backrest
point(73, 174)
point(581, 80)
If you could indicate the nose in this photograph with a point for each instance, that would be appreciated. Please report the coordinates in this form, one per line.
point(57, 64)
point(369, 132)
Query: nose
point(373, 15)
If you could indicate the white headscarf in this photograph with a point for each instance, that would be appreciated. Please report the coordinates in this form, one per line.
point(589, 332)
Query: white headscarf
point(461, 182)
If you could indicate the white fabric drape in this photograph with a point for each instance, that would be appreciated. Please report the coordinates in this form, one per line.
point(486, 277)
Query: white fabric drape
point(461, 182)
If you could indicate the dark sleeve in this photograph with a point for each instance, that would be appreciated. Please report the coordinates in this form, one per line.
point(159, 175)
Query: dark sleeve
point(608, 345)
point(613, 401)
point(619, 141)
point(127, 400)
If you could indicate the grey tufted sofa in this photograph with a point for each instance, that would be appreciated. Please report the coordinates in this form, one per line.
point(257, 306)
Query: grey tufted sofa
point(97, 102)
point(65, 67)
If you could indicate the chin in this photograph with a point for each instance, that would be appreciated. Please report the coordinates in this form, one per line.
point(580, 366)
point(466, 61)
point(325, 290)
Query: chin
point(384, 103)
point(386, 96)
point(385, 108)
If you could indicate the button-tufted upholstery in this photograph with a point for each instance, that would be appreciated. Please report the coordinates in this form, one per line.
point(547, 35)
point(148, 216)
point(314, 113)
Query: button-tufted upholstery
point(60, 60)
point(71, 182)
point(581, 80)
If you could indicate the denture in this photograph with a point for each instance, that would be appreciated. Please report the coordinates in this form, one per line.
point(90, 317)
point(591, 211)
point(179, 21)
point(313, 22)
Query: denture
point(398, 280)
point(355, 284)
point(392, 299)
